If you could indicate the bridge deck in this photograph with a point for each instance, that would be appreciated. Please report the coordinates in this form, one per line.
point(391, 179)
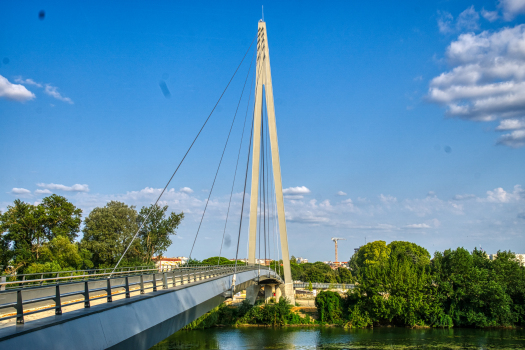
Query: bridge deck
point(131, 323)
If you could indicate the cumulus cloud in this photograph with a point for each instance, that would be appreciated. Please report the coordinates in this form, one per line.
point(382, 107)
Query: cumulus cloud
point(467, 20)
point(186, 190)
point(462, 197)
point(53, 92)
point(27, 82)
point(499, 195)
point(15, 92)
point(295, 192)
point(490, 16)
point(417, 226)
point(341, 193)
point(511, 8)
point(44, 191)
point(21, 191)
point(387, 199)
point(60, 187)
point(487, 81)
point(445, 20)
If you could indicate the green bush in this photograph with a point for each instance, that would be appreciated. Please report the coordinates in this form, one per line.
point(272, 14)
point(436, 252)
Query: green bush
point(329, 307)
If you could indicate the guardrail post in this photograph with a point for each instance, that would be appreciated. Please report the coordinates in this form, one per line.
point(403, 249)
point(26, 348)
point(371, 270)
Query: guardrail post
point(127, 288)
point(58, 301)
point(141, 284)
point(86, 295)
point(173, 278)
point(3, 280)
point(19, 308)
point(154, 283)
point(165, 280)
point(41, 277)
point(108, 291)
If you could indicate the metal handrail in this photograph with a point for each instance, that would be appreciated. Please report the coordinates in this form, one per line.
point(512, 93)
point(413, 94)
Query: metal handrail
point(177, 277)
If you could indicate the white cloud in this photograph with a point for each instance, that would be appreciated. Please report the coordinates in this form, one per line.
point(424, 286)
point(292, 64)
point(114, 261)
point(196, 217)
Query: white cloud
point(417, 226)
point(387, 199)
point(462, 197)
point(511, 8)
point(74, 188)
point(20, 191)
point(295, 192)
point(186, 190)
point(445, 22)
point(15, 92)
point(45, 191)
point(514, 139)
point(27, 82)
point(341, 193)
point(53, 92)
point(511, 124)
point(487, 81)
point(490, 16)
point(466, 21)
point(499, 195)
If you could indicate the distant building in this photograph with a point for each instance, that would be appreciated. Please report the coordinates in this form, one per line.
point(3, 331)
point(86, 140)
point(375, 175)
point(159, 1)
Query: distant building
point(519, 257)
point(301, 260)
point(162, 262)
point(357, 249)
point(265, 262)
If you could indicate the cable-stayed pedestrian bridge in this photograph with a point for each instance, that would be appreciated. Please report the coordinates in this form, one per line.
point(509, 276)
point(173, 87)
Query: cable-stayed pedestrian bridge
point(142, 308)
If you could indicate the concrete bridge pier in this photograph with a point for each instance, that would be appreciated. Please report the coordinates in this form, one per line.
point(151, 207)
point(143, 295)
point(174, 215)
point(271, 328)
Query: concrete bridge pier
point(252, 292)
point(269, 289)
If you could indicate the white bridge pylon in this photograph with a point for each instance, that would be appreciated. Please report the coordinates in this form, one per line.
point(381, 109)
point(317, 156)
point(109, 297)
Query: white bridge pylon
point(264, 80)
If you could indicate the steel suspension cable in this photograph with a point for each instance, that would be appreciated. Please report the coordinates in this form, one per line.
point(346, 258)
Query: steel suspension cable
point(244, 193)
point(183, 158)
point(237, 163)
point(220, 162)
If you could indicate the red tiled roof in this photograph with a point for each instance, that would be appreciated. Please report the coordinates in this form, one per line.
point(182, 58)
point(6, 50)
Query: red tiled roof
point(166, 259)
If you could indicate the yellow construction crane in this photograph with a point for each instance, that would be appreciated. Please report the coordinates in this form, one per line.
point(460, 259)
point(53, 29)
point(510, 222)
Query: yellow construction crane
point(335, 240)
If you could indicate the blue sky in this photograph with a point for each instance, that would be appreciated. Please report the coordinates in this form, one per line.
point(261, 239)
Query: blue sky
point(395, 121)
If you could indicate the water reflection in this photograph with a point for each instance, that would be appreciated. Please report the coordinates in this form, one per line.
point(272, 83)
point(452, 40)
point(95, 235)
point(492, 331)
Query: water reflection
point(337, 338)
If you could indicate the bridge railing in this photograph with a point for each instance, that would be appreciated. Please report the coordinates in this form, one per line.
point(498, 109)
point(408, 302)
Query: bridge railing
point(54, 293)
point(46, 278)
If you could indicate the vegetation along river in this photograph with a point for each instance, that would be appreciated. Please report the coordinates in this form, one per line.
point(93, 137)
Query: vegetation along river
point(339, 338)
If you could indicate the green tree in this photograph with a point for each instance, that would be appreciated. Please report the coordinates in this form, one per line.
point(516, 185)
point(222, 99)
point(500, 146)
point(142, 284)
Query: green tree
point(329, 307)
point(411, 251)
point(26, 228)
point(223, 261)
point(372, 253)
point(108, 231)
point(60, 254)
point(344, 275)
point(155, 232)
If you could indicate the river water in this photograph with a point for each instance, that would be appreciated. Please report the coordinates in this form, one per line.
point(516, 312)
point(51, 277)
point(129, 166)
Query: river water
point(338, 338)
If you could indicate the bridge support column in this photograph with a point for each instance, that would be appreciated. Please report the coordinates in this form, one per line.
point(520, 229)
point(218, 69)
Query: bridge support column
point(278, 293)
point(252, 292)
point(269, 289)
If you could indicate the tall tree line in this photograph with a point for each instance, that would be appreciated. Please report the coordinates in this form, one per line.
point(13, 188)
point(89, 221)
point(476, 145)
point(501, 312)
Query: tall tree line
point(44, 237)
